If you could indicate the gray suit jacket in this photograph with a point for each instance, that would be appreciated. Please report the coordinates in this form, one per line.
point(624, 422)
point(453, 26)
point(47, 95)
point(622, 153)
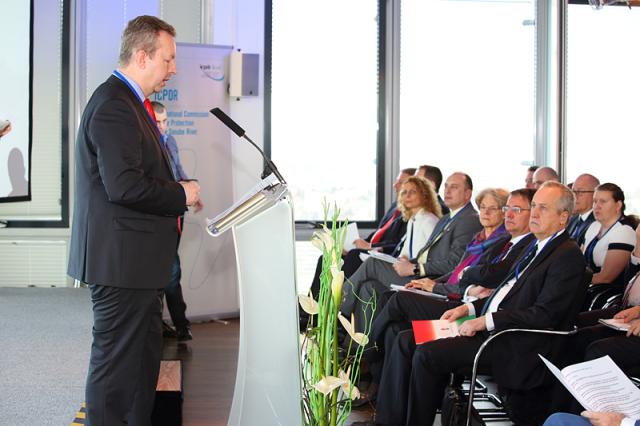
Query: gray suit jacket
point(449, 241)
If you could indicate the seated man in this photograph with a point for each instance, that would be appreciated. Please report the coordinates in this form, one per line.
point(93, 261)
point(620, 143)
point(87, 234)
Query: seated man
point(441, 253)
point(544, 174)
point(538, 292)
point(433, 175)
point(583, 189)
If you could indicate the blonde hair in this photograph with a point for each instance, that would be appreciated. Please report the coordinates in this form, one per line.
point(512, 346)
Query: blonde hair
point(427, 194)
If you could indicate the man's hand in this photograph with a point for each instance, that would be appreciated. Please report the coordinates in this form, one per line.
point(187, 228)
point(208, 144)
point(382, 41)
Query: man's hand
point(197, 206)
point(191, 191)
point(603, 419)
point(425, 284)
point(403, 267)
point(634, 328)
point(479, 292)
point(471, 327)
point(361, 244)
point(628, 314)
point(5, 130)
point(455, 313)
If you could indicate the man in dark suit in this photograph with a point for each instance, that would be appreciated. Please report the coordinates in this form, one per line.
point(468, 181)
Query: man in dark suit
point(538, 292)
point(583, 188)
point(441, 253)
point(125, 227)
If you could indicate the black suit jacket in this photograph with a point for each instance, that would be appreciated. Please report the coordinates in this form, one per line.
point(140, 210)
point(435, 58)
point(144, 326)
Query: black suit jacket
point(489, 254)
point(126, 201)
point(490, 275)
point(573, 223)
point(547, 296)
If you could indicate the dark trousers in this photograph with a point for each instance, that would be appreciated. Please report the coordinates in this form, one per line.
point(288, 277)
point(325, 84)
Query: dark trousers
point(414, 377)
point(175, 301)
point(395, 316)
point(125, 356)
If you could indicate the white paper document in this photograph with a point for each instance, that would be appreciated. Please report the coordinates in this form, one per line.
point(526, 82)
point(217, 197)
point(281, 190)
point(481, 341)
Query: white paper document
point(616, 324)
point(396, 287)
point(600, 385)
point(351, 235)
point(382, 256)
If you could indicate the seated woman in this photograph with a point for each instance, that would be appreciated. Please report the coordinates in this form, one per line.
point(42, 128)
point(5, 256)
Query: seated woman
point(420, 207)
point(487, 244)
point(609, 240)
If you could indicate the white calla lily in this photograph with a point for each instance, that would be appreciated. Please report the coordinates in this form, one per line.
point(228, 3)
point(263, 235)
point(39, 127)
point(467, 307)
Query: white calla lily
point(328, 384)
point(359, 338)
point(308, 304)
point(336, 287)
point(351, 391)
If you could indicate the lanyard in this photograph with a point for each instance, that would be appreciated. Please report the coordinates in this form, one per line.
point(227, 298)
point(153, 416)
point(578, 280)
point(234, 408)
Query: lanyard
point(125, 81)
point(588, 253)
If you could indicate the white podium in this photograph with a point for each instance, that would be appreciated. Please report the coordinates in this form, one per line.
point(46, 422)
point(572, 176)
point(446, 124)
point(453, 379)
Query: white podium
point(268, 378)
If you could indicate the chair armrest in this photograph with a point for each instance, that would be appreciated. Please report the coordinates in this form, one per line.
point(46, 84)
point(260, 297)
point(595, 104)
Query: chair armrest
point(474, 371)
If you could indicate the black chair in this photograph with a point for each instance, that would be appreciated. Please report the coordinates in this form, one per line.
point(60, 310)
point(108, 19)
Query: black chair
point(598, 295)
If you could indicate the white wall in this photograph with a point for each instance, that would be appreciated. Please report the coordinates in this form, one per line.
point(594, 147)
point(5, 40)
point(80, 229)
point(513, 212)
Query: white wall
point(238, 23)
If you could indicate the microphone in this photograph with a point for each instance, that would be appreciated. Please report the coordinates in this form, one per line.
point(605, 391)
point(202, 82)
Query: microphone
point(228, 122)
point(235, 128)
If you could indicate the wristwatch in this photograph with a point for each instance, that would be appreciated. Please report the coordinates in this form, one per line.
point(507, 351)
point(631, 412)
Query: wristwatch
point(416, 270)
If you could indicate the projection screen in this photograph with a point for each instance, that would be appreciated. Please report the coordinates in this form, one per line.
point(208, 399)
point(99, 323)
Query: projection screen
point(16, 33)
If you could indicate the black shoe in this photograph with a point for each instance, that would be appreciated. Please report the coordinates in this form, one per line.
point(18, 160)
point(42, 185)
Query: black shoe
point(168, 331)
point(184, 334)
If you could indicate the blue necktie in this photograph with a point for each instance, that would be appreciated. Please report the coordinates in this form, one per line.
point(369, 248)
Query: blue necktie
point(515, 272)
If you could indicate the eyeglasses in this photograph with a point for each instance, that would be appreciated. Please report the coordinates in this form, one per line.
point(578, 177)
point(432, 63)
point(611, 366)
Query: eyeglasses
point(516, 210)
point(580, 191)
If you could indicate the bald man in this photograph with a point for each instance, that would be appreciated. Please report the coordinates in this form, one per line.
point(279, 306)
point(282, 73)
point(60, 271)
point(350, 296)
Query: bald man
point(583, 188)
point(544, 174)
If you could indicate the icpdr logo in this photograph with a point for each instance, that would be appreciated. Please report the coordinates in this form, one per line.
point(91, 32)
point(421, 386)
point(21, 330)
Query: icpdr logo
point(212, 71)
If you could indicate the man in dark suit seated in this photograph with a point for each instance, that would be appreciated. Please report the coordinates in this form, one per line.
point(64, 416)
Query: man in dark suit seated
point(125, 225)
point(537, 292)
point(583, 188)
point(441, 253)
point(404, 307)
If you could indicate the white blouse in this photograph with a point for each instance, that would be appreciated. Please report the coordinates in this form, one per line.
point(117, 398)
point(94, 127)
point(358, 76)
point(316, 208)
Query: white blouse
point(619, 237)
point(419, 229)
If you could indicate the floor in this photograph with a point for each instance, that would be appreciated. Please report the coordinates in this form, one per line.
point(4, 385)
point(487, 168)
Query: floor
point(209, 370)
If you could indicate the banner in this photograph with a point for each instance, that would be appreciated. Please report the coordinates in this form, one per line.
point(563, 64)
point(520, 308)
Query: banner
point(209, 279)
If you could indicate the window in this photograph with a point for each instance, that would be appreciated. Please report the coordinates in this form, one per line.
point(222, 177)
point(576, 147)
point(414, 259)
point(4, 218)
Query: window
point(467, 89)
point(324, 104)
point(602, 96)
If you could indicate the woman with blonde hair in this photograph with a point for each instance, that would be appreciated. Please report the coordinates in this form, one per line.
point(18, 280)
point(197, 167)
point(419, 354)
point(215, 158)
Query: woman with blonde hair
point(418, 204)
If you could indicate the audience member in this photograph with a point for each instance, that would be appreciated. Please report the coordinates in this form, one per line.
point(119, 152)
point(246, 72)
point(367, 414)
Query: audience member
point(609, 240)
point(404, 307)
point(419, 207)
point(434, 175)
point(536, 293)
point(544, 174)
point(528, 181)
point(487, 243)
point(583, 188)
point(439, 255)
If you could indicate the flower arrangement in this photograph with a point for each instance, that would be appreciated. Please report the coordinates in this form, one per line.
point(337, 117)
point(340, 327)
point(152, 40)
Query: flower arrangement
point(329, 371)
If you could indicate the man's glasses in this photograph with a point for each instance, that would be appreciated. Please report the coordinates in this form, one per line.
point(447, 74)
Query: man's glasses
point(516, 210)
